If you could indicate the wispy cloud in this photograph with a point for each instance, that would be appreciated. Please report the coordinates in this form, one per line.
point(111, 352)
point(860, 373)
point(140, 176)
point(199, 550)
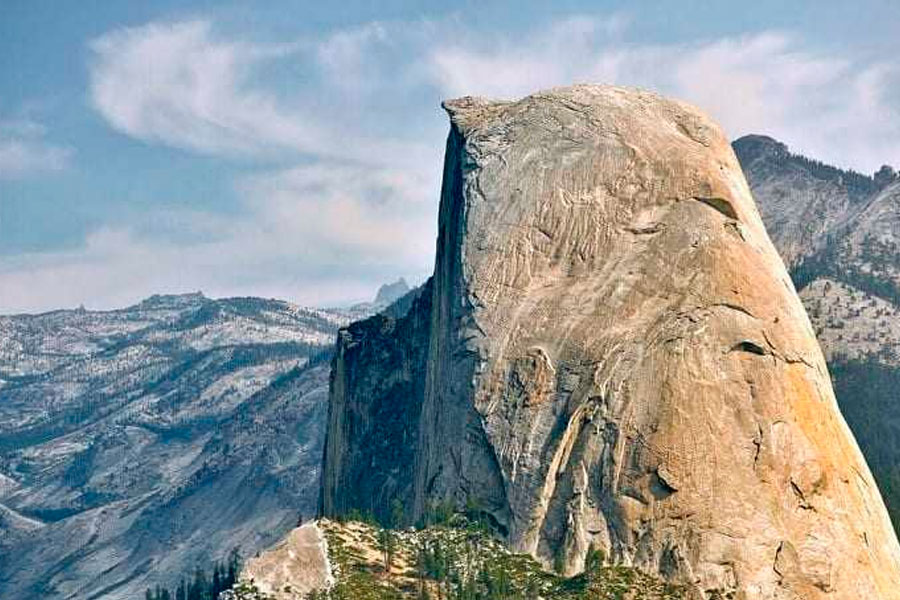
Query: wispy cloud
point(25, 151)
point(182, 85)
point(177, 84)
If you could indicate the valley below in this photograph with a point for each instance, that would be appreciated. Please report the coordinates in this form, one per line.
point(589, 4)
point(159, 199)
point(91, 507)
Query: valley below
point(139, 443)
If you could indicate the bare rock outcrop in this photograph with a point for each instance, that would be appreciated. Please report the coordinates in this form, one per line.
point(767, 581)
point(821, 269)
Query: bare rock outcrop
point(617, 358)
point(294, 567)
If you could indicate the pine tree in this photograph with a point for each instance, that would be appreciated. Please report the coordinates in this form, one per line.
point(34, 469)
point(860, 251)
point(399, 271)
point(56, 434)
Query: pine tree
point(216, 580)
point(387, 544)
point(233, 568)
point(397, 515)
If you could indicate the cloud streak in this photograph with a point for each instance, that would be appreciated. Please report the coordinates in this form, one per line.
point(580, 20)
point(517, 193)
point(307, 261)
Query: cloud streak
point(182, 85)
point(177, 84)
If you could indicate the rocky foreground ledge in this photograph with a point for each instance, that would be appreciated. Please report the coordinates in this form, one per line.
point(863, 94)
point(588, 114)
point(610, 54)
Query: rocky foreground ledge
point(330, 560)
point(611, 355)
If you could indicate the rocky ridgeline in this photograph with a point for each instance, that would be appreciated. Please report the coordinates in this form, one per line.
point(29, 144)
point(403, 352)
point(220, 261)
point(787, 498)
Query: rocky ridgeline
point(136, 444)
point(611, 355)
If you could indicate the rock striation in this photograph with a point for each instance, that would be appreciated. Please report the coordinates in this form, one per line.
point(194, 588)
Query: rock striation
point(614, 357)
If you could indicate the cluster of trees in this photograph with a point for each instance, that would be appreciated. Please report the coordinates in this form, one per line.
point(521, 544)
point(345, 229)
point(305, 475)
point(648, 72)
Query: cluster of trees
point(446, 568)
point(867, 392)
point(440, 575)
point(885, 176)
point(829, 262)
point(201, 586)
point(450, 569)
point(858, 186)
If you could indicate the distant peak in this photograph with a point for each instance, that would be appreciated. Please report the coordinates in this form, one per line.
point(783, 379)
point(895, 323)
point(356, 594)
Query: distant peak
point(172, 300)
point(757, 144)
point(885, 176)
point(390, 292)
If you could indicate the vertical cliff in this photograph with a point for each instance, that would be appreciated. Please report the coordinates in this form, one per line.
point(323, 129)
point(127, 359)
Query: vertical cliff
point(377, 382)
point(613, 355)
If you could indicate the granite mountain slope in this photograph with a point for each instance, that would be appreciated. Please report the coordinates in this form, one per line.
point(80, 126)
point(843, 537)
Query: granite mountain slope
point(802, 200)
point(611, 354)
point(840, 233)
point(836, 229)
point(138, 443)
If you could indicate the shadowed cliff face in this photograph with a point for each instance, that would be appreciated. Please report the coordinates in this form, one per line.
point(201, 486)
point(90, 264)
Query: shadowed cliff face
point(377, 382)
point(616, 357)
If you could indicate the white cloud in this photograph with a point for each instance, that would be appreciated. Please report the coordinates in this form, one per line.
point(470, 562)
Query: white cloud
point(181, 85)
point(320, 235)
point(828, 106)
point(347, 60)
point(503, 66)
point(24, 151)
point(334, 213)
point(177, 84)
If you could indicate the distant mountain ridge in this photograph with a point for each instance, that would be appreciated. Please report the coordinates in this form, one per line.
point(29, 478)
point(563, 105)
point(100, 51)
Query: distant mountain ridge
point(804, 200)
point(140, 442)
point(391, 292)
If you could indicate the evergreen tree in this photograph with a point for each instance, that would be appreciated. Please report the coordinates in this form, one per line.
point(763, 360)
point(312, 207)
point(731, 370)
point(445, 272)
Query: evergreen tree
point(397, 513)
point(387, 544)
point(234, 566)
point(216, 580)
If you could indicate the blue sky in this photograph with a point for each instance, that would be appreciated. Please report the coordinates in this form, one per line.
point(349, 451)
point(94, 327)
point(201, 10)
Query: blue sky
point(293, 149)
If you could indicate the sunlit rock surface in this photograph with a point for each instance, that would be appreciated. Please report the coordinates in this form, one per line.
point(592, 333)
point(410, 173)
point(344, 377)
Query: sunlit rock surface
point(616, 357)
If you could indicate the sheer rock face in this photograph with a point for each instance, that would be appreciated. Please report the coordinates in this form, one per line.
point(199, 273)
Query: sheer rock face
point(376, 390)
point(617, 357)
